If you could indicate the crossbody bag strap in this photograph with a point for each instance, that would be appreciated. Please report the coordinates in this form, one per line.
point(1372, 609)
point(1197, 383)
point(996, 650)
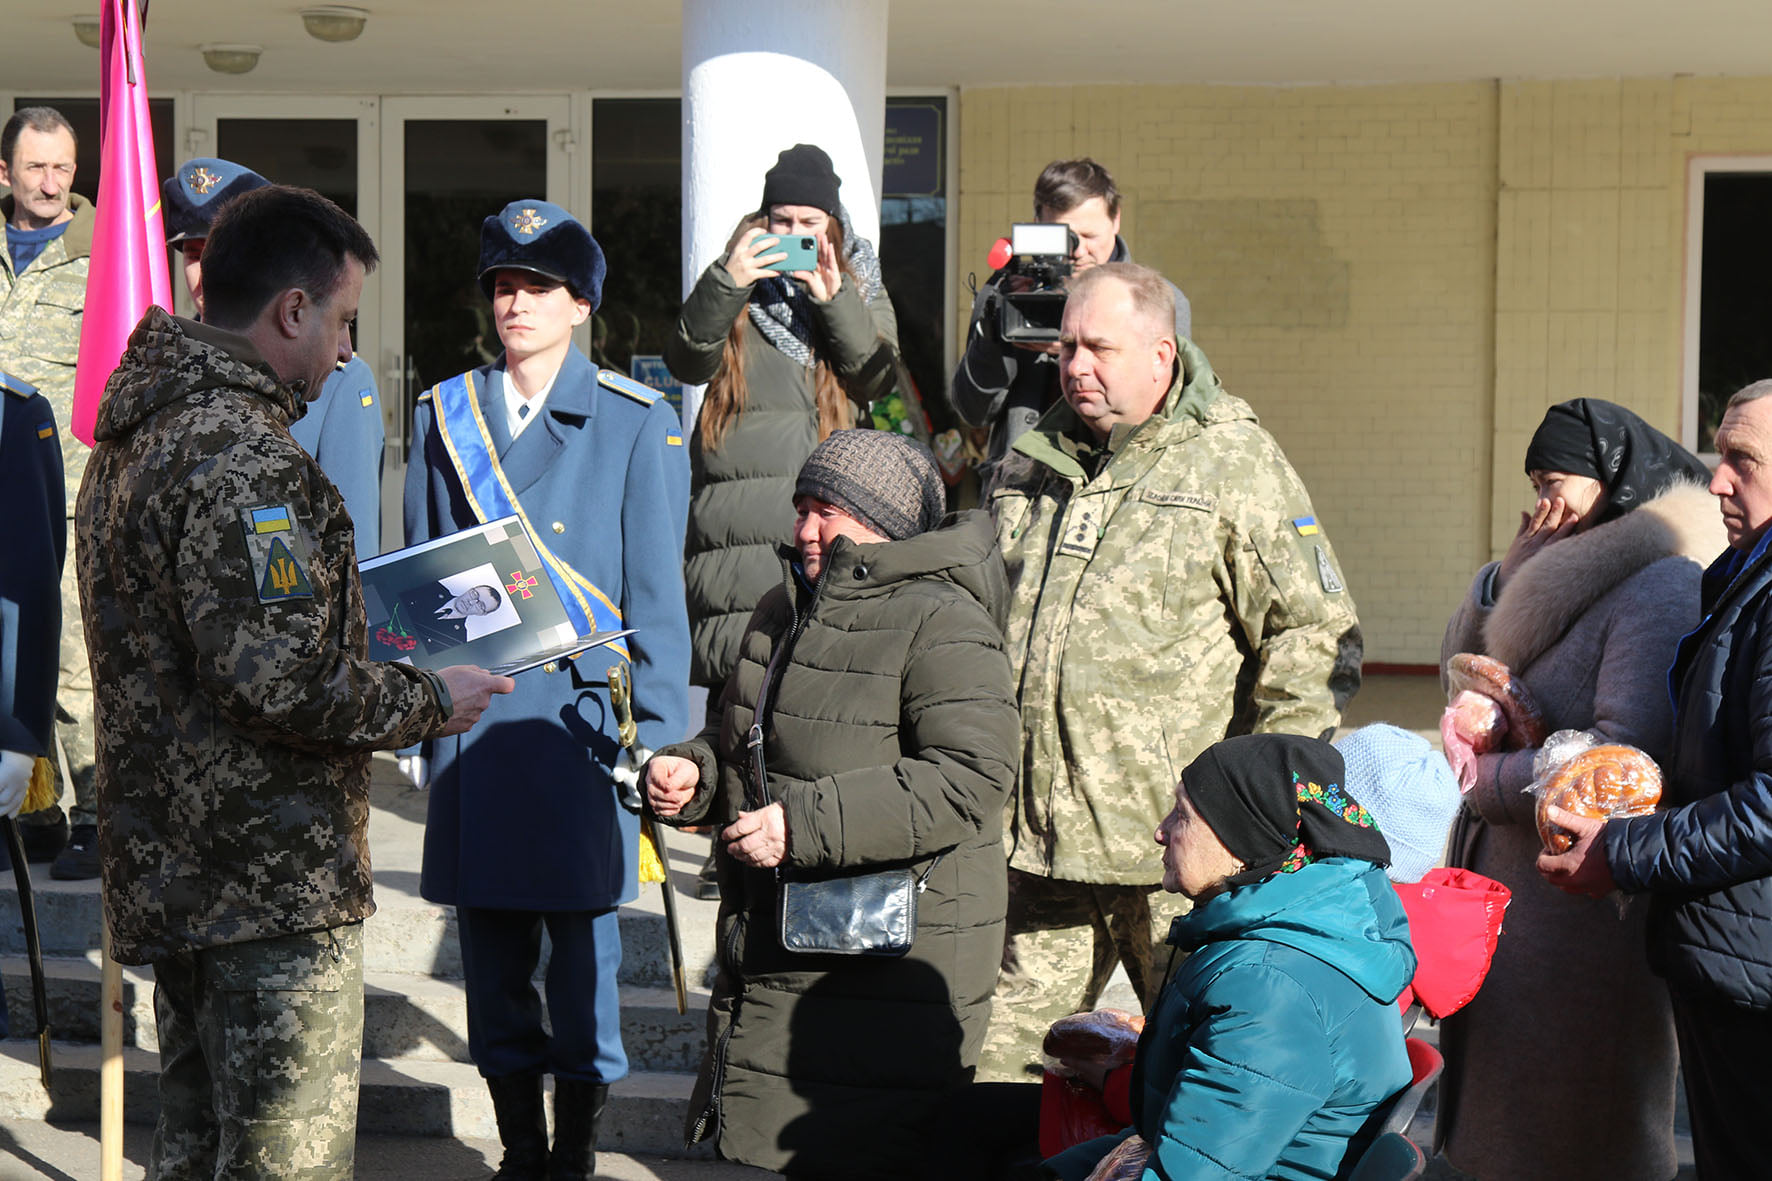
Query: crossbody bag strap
point(754, 743)
point(754, 738)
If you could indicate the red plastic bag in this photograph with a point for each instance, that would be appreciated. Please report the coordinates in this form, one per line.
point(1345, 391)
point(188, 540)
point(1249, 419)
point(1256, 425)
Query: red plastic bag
point(1070, 1113)
point(1454, 922)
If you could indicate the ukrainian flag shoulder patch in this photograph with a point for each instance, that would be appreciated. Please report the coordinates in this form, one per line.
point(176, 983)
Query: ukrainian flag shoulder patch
point(1306, 526)
point(273, 519)
point(276, 552)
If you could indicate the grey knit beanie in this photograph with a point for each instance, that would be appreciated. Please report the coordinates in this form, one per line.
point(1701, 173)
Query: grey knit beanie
point(887, 482)
point(1408, 787)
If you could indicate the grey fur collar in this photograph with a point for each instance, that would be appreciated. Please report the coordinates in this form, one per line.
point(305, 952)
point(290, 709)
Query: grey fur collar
point(1554, 589)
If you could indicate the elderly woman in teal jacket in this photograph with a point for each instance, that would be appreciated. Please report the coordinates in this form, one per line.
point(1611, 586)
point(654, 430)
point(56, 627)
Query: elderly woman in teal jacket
point(1273, 1045)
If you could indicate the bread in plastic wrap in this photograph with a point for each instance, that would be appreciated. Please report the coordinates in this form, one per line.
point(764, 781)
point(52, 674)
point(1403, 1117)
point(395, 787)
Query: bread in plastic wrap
point(1475, 673)
point(1107, 1036)
point(1577, 773)
point(1125, 1163)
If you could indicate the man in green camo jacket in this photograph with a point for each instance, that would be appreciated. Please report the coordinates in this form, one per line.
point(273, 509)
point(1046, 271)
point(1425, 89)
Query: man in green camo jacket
point(42, 299)
point(1172, 586)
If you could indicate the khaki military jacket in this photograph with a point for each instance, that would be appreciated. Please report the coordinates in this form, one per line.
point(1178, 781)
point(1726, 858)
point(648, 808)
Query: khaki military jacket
point(40, 316)
point(1183, 593)
point(236, 708)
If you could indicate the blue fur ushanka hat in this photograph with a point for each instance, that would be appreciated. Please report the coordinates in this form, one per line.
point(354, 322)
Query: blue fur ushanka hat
point(543, 238)
point(191, 197)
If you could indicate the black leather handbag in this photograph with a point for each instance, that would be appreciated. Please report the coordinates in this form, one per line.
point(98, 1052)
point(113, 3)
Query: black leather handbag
point(859, 913)
point(854, 912)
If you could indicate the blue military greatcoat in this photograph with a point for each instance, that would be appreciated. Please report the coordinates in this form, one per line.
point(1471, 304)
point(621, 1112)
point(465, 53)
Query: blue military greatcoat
point(523, 812)
point(343, 431)
point(33, 543)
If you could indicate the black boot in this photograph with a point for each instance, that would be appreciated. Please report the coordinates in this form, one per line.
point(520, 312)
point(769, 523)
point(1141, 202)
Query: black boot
point(522, 1127)
point(577, 1108)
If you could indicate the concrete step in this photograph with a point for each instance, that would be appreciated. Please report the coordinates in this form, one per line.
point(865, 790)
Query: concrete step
point(404, 1016)
point(408, 1098)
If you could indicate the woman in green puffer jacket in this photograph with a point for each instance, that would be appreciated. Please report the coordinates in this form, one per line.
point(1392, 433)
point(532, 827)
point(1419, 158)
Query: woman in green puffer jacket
point(890, 739)
point(787, 359)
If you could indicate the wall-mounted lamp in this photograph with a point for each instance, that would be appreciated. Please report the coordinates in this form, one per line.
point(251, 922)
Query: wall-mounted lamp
point(86, 29)
point(230, 59)
point(334, 22)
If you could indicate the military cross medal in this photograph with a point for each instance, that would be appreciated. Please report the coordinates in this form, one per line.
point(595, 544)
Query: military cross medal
point(522, 585)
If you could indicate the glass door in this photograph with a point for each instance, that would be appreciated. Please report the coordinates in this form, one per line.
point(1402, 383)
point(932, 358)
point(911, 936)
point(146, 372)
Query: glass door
point(446, 165)
point(420, 174)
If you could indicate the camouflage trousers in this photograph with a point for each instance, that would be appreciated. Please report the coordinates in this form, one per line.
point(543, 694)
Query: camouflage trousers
point(260, 1048)
point(73, 716)
point(1063, 940)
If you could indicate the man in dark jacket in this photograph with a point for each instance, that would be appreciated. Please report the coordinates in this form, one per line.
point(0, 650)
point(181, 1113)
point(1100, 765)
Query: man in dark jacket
point(1705, 858)
point(1007, 386)
point(219, 588)
point(33, 542)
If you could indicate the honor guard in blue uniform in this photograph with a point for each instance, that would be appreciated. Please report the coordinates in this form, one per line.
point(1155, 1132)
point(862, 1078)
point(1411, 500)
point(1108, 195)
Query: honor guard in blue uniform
point(527, 827)
point(33, 543)
point(342, 428)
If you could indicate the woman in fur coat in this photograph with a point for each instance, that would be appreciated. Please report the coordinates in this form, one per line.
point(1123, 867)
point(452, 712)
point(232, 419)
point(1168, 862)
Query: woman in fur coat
point(1564, 1064)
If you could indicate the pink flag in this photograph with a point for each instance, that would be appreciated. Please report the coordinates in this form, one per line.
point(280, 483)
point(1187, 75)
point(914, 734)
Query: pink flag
point(129, 240)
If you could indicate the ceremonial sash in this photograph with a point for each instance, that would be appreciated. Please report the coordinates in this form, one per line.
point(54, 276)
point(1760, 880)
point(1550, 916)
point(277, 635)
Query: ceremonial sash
point(462, 428)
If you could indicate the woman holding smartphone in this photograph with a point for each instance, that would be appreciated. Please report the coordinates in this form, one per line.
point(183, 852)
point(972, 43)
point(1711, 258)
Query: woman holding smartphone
point(784, 354)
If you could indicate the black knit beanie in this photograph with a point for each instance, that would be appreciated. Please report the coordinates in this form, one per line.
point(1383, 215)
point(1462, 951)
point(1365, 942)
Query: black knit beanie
point(887, 482)
point(802, 176)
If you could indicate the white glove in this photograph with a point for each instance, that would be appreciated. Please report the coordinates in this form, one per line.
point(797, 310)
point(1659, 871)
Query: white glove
point(626, 774)
point(15, 780)
point(417, 770)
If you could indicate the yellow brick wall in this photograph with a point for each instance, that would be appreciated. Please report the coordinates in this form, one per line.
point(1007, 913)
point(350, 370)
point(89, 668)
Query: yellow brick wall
point(1591, 246)
point(1337, 245)
point(1399, 278)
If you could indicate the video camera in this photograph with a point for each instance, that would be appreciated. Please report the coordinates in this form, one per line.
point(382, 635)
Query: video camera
point(1027, 299)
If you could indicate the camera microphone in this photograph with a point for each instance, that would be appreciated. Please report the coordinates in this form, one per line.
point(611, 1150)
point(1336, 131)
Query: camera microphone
point(1000, 254)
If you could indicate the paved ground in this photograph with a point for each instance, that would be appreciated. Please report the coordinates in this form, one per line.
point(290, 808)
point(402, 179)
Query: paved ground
point(70, 1153)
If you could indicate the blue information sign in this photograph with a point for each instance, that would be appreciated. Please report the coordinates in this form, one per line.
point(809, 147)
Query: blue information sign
point(650, 371)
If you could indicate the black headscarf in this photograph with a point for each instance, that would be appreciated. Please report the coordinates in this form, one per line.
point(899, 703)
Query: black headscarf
point(1276, 802)
point(1603, 441)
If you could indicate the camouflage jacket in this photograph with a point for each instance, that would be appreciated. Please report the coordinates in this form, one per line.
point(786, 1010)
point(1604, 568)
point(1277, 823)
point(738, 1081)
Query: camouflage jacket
point(235, 707)
point(1183, 593)
point(40, 315)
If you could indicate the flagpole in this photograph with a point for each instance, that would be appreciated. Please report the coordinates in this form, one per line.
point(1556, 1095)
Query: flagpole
point(110, 1079)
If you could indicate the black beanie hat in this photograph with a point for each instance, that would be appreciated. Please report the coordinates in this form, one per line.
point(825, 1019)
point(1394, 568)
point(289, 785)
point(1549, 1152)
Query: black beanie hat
point(887, 482)
point(802, 176)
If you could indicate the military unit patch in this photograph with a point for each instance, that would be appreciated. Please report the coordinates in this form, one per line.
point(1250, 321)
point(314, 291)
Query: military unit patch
point(1326, 574)
point(274, 547)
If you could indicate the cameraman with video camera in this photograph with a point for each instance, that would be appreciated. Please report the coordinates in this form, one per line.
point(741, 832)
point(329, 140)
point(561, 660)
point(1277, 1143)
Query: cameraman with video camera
point(1004, 381)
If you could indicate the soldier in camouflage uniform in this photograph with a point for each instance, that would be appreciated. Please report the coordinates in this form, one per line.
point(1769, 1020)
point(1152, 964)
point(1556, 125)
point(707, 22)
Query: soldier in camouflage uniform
point(49, 249)
point(1171, 587)
point(238, 708)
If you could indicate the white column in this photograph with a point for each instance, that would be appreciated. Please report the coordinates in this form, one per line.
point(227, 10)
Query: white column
point(763, 75)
